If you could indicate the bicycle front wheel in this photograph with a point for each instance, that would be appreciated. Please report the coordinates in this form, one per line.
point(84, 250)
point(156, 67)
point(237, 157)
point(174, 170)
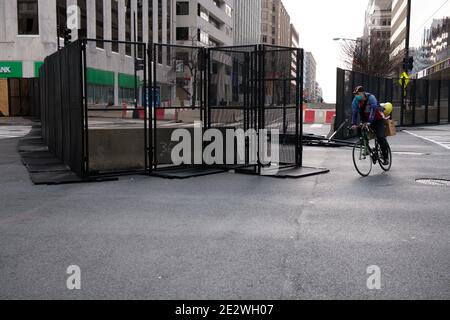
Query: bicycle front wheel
point(362, 159)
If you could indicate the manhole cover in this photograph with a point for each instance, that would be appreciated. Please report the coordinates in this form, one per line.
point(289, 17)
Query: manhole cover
point(434, 182)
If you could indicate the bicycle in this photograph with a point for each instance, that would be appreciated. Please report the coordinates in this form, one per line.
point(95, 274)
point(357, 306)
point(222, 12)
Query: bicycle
point(365, 155)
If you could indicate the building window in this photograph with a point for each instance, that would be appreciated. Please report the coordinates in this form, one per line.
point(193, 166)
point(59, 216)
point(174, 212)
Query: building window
point(28, 16)
point(182, 8)
point(82, 33)
point(202, 13)
point(169, 29)
point(128, 26)
point(115, 25)
point(61, 11)
point(100, 95)
point(183, 34)
point(99, 23)
point(203, 37)
point(127, 95)
point(139, 27)
point(160, 27)
point(150, 23)
point(228, 10)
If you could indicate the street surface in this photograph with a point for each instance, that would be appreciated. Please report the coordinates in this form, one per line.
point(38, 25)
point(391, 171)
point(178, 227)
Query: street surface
point(233, 236)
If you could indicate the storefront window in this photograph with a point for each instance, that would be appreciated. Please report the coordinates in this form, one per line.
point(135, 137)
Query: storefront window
point(101, 95)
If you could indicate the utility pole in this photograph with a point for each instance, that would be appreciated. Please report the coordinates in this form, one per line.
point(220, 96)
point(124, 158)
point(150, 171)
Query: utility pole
point(136, 94)
point(58, 30)
point(408, 29)
point(405, 60)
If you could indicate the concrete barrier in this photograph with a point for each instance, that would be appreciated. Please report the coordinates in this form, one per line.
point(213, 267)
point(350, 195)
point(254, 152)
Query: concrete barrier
point(318, 116)
point(217, 116)
point(116, 149)
point(310, 116)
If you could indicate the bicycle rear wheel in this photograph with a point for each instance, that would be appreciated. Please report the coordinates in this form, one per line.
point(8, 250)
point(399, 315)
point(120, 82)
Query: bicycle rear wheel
point(362, 159)
point(380, 161)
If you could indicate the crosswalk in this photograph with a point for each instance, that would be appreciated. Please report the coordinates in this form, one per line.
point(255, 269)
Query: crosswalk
point(437, 135)
point(10, 132)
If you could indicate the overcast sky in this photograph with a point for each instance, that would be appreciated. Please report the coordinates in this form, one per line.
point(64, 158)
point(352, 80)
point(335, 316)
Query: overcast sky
point(319, 21)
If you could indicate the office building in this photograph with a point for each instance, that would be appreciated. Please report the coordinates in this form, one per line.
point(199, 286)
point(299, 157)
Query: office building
point(309, 77)
point(247, 22)
point(295, 37)
point(204, 23)
point(377, 28)
point(28, 34)
point(398, 27)
point(275, 23)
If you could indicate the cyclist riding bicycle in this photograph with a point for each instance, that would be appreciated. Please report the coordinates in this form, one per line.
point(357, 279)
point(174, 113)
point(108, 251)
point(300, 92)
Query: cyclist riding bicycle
point(372, 114)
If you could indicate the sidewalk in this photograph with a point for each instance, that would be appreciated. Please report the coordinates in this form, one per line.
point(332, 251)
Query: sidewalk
point(15, 121)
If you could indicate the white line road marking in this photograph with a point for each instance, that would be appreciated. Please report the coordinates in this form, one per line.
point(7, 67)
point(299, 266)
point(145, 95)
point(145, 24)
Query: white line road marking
point(317, 126)
point(9, 132)
point(443, 145)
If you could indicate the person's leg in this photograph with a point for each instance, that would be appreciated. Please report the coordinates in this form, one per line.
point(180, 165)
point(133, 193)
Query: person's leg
point(379, 127)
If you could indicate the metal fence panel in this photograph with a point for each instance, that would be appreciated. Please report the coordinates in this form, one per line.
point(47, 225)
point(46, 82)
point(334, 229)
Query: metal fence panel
point(232, 78)
point(178, 102)
point(425, 101)
point(60, 78)
point(444, 101)
point(282, 80)
point(115, 107)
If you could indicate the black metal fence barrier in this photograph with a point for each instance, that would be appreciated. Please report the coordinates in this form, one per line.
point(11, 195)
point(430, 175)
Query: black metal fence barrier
point(115, 105)
point(282, 81)
point(426, 101)
point(61, 106)
point(111, 107)
point(246, 88)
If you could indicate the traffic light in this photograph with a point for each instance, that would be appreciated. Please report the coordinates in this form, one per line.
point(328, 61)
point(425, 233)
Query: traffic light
point(408, 64)
point(67, 33)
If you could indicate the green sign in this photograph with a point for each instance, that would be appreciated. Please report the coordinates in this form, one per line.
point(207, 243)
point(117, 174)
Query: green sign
point(11, 69)
point(128, 81)
point(100, 77)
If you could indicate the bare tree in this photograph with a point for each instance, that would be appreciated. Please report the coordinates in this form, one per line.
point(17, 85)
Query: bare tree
point(370, 57)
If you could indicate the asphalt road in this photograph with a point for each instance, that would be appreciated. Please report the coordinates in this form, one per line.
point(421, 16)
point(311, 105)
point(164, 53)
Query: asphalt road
point(232, 236)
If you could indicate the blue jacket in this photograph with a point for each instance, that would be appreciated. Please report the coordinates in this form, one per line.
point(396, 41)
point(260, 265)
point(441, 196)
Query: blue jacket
point(371, 109)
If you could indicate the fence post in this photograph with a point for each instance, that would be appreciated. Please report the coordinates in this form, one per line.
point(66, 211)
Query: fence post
point(299, 109)
point(403, 107)
point(427, 100)
point(439, 102)
point(84, 110)
point(413, 98)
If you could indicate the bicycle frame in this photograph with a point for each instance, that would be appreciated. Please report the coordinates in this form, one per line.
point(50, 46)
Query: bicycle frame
point(368, 151)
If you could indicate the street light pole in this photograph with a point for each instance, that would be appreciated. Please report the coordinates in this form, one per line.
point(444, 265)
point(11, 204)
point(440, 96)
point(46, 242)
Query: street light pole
point(405, 68)
point(408, 29)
